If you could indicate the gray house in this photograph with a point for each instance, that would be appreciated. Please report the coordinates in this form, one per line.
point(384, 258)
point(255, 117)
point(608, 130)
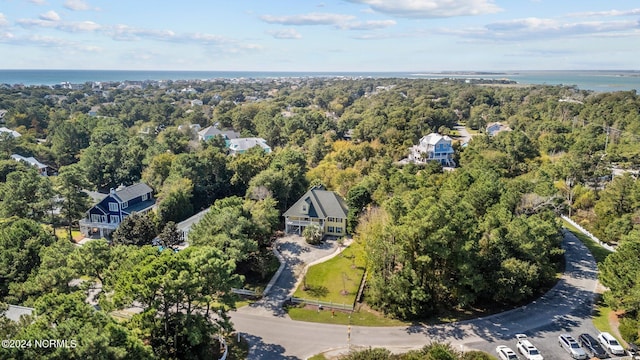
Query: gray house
point(320, 207)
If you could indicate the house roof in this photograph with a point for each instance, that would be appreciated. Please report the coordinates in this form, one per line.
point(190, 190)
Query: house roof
point(31, 160)
point(12, 132)
point(211, 131)
point(319, 203)
point(247, 143)
point(132, 192)
point(15, 311)
point(434, 138)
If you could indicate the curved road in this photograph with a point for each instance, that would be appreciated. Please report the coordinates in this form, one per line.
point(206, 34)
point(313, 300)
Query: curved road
point(565, 308)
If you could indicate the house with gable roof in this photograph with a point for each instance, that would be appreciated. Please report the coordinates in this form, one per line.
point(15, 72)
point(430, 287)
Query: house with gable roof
point(13, 133)
point(212, 131)
point(320, 207)
point(433, 147)
point(42, 168)
point(105, 216)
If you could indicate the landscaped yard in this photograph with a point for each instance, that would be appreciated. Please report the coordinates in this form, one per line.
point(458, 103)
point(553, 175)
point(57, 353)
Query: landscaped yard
point(358, 318)
point(64, 234)
point(336, 280)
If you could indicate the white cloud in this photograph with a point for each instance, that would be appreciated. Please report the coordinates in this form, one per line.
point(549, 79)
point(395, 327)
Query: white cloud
point(367, 25)
point(537, 28)
point(76, 5)
point(308, 19)
point(3, 20)
point(431, 8)
point(50, 16)
point(285, 34)
point(631, 12)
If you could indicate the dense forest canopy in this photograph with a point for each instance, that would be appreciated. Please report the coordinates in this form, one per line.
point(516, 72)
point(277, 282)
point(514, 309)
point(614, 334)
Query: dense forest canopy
point(485, 232)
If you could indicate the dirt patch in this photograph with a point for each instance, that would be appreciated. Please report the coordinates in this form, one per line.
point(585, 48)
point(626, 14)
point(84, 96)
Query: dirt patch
point(614, 323)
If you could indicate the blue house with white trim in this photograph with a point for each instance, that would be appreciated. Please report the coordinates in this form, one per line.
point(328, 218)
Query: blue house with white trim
point(105, 217)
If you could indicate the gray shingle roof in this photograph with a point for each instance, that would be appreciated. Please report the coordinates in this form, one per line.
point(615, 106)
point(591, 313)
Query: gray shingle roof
point(15, 311)
point(320, 203)
point(133, 191)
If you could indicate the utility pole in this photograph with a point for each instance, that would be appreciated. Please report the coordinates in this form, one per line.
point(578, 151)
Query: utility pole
point(349, 334)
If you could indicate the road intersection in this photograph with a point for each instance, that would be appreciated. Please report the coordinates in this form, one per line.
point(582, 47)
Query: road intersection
point(566, 308)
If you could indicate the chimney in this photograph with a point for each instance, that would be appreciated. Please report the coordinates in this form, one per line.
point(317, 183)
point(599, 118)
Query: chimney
point(112, 191)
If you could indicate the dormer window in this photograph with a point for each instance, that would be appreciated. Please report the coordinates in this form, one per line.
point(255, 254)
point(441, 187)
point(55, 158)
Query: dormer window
point(145, 197)
point(113, 206)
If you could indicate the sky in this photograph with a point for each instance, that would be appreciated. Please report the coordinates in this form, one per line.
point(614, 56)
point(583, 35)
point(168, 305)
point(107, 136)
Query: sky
point(320, 35)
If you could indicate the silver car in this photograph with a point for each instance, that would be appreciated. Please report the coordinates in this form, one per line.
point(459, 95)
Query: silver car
point(572, 347)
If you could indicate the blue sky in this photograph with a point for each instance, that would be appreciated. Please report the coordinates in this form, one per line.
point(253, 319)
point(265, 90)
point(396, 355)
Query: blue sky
point(322, 35)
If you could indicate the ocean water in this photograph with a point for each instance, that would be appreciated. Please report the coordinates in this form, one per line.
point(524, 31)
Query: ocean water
point(595, 80)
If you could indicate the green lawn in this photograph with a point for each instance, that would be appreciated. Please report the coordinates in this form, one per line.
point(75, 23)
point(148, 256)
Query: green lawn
point(359, 318)
point(64, 234)
point(599, 253)
point(601, 317)
point(336, 280)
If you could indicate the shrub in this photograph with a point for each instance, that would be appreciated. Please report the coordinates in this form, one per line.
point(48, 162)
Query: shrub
point(629, 329)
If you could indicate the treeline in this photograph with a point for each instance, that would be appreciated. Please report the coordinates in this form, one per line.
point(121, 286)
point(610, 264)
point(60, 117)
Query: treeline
point(486, 232)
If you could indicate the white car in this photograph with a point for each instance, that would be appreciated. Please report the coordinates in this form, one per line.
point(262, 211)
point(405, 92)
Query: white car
point(570, 344)
point(506, 353)
point(526, 348)
point(610, 343)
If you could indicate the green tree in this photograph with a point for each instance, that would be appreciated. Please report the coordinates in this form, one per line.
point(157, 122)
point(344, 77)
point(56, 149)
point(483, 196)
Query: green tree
point(135, 229)
point(91, 334)
point(21, 242)
point(170, 236)
point(176, 291)
point(92, 259)
point(26, 194)
point(312, 234)
point(69, 186)
point(174, 201)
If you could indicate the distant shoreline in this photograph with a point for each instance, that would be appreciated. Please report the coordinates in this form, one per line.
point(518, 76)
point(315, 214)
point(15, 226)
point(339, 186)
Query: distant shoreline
point(595, 80)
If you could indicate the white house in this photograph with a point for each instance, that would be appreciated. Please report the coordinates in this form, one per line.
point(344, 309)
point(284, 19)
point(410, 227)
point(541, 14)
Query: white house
point(239, 146)
point(433, 147)
point(42, 168)
point(14, 133)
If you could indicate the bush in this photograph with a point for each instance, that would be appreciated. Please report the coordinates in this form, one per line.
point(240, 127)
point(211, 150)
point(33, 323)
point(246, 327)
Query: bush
point(369, 354)
point(629, 329)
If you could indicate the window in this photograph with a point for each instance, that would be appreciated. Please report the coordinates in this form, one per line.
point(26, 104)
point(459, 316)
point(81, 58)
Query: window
point(104, 218)
point(331, 219)
point(145, 197)
point(338, 230)
point(125, 204)
point(338, 220)
point(95, 218)
point(113, 206)
point(115, 219)
point(330, 229)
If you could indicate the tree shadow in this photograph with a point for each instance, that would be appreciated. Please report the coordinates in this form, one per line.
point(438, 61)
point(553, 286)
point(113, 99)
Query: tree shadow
point(318, 291)
point(259, 350)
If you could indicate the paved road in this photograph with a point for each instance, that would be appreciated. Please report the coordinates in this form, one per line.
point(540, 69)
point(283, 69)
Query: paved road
point(565, 308)
point(463, 134)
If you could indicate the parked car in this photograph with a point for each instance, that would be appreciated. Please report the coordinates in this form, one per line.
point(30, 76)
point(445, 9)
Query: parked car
point(592, 346)
point(633, 351)
point(526, 348)
point(610, 343)
point(506, 353)
point(570, 344)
